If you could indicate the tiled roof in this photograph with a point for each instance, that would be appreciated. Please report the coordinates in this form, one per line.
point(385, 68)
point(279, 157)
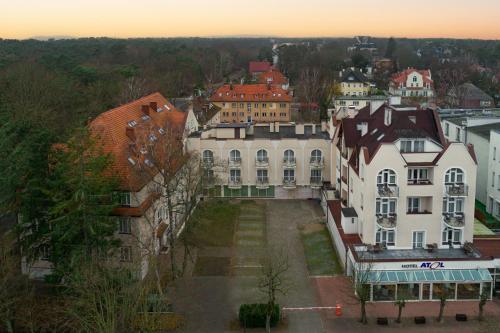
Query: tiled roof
point(273, 76)
point(110, 129)
point(468, 91)
point(250, 93)
point(353, 75)
point(259, 66)
point(401, 77)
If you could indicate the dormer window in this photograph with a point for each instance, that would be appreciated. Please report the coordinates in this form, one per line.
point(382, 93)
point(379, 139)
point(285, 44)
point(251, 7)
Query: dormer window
point(161, 131)
point(145, 117)
point(132, 123)
point(152, 137)
point(159, 109)
point(412, 146)
point(414, 79)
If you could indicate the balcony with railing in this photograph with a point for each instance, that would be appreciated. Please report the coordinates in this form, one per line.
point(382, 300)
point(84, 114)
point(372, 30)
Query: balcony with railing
point(289, 183)
point(234, 182)
point(316, 182)
point(387, 190)
point(454, 220)
point(235, 162)
point(456, 190)
point(262, 162)
point(262, 182)
point(316, 162)
point(289, 162)
point(387, 221)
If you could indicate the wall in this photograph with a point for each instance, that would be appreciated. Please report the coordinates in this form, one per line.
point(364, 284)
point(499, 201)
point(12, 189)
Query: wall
point(493, 192)
point(238, 111)
point(482, 150)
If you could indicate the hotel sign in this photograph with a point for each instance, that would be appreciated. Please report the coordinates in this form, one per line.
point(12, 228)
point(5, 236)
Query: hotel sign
point(425, 264)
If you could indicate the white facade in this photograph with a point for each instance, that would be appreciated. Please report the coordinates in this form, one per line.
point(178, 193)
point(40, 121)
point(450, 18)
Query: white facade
point(493, 183)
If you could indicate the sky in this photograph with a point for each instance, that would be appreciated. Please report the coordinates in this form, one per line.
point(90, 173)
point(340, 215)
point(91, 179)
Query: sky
point(291, 18)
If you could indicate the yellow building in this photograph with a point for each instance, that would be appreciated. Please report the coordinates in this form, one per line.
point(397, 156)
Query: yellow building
point(354, 83)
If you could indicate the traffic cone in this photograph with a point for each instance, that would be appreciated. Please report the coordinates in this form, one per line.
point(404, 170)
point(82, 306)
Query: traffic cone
point(338, 310)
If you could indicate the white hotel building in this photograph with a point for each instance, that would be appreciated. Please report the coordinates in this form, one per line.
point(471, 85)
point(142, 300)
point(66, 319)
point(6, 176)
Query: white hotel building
point(405, 207)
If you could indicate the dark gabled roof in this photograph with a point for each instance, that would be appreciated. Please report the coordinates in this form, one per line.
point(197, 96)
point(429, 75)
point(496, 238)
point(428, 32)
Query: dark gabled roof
point(353, 75)
point(469, 91)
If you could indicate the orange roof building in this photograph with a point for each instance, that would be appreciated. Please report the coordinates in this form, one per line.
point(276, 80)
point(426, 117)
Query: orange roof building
point(273, 77)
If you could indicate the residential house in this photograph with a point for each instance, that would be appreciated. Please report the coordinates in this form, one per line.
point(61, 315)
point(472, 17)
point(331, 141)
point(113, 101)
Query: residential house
point(255, 68)
point(469, 96)
point(412, 83)
point(353, 83)
point(274, 77)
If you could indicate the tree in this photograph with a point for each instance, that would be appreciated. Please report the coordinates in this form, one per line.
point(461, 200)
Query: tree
point(362, 278)
point(273, 280)
point(358, 60)
point(390, 48)
point(133, 88)
point(400, 303)
point(442, 303)
point(482, 302)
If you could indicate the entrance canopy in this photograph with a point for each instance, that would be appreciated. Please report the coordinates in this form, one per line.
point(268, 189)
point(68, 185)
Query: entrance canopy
point(431, 275)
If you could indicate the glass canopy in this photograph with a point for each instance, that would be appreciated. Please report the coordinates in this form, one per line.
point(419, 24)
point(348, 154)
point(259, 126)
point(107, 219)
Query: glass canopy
point(435, 275)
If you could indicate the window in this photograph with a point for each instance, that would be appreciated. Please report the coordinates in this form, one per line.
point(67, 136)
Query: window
point(451, 235)
point(125, 225)
point(262, 176)
point(414, 79)
point(316, 156)
point(289, 175)
point(385, 206)
point(235, 175)
point(384, 292)
point(418, 239)
point(446, 129)
point(289, 156)
point(235, 156)
point(124, 199)
point(440, 289)
point(412, 146)
point(316, 176)
point(409, 291)
point(386, 177)
point(453, 205)
point(208, 156)
point(468, 290)
point(282, 105)
point(454, 176)
point(457, 137)
point(384, 236)
point(262, 155)
point(418, 175)
point(413, 205)
point(125, 253)
point(44, 251)
point(264, 105)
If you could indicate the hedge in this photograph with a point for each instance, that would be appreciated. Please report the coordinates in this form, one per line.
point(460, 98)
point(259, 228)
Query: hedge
point(254, 315)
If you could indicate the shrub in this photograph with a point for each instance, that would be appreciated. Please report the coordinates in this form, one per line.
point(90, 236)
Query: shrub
point(254, 315)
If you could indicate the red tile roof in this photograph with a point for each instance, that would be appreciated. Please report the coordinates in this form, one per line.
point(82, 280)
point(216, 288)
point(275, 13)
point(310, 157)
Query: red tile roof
point(250, 93)
point(259, 66)
point(110, 129)
point(273, 76)
point(402, 77)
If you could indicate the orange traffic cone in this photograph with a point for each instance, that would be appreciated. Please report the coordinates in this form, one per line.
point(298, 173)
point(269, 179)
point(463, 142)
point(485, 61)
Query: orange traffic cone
point(338, 310)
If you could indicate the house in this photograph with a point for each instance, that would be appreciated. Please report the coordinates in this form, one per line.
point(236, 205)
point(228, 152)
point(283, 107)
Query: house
point(404, 207)
point(353, 83)
point(255, 68)
point(241, 103)
point(412, 83)
point(274, 77)
point(493, 182)
point(469, 96)
point(275, 160)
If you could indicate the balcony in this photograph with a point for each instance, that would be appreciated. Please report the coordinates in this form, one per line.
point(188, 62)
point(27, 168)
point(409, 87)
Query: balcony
point(316, 182)
point(262, 162)
point(262, 183)
point(387, 221)
point(235, 162)
point(234, 182)
point(387, 190)
point(419, 182)
point(289, 183)
point(454, 220)
point(456, 190)
point(289, 162)
point(316, 162)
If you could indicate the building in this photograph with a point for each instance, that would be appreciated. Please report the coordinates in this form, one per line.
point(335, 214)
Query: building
point(493, 182)
point(240, 103)
point(276, 160)
point(363, 43)
point(274, 77)
point(347, 106)
point(412, 83)
point(142, 220)
point(469, 96)
point(403, 212)
point(255, 68)
point(476, 131)
point(353, 83)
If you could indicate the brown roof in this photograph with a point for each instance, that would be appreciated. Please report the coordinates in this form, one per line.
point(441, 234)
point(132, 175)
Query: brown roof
point(489, 246)
point(259, 66)
point(111, 127)
point(273, 76)
point(250, 93)
point(401, 77)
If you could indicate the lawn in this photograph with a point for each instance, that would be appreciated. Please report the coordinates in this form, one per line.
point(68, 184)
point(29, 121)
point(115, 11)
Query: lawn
point(480, 229)
point(320, 254)
point(215, 221)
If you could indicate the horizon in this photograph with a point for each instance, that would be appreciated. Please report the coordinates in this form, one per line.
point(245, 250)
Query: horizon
point(458, 19)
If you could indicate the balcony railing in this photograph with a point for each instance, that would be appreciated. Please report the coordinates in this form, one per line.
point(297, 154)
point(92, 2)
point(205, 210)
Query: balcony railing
point(316, 162)
point(262, 162)
point(235, 162)
point(387, 190)
point(387, 220)
point(234, 182)
point(454, 220)
point(289, 183)
point(316, 181)
point(262, 182)
point(456, 190)
point(419, 182)
point(289, 162)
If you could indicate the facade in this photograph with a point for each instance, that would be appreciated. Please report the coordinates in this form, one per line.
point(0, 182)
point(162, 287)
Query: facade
point(273, 160)
point(348, 106)
point(468, 96)
point(354, 83)
point(412, 83)
point(246, 103)
point(493, 182)
point(403, 211)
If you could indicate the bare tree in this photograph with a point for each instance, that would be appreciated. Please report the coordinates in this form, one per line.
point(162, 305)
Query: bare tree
point(482, 302)
point(400, 303)
point(273, 280)
point(133, 89)
point(448, 84)
point(362, 278)
point(442, 303)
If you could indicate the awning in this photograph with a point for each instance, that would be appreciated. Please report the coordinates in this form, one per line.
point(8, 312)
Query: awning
point(431, 275)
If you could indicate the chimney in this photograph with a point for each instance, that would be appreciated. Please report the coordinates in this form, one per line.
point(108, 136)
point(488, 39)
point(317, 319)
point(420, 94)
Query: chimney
point(145, 109)
point(130, 132)
point(387, 117)
point(153, 106)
